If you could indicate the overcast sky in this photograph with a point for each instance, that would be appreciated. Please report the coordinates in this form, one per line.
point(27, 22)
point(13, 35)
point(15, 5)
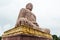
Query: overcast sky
point(46, 11)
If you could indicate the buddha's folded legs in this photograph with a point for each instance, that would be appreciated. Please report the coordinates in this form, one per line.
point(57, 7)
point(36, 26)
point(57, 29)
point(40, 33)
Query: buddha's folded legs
point(24, 21)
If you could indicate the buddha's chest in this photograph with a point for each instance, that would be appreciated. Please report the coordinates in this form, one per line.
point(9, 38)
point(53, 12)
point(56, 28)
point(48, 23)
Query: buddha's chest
point(30, 16)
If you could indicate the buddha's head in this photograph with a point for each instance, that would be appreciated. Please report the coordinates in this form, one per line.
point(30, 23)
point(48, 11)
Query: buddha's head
point(29, 6)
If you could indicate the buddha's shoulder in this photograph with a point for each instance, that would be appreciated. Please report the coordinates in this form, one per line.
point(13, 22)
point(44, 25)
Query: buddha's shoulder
point(26, 10)
point(23, 9)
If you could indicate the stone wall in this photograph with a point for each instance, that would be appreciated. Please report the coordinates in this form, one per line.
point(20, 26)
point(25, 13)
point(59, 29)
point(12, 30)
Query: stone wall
point(24, 37)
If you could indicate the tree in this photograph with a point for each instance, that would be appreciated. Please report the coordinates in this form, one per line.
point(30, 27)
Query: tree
point(55, 37)
point(59, 37)
point(0, 37)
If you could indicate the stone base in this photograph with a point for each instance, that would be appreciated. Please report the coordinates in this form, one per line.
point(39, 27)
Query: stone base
point(24, 37)
point(25, 33)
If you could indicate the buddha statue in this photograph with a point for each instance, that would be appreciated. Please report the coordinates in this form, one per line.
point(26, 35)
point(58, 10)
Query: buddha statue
point(26, 17)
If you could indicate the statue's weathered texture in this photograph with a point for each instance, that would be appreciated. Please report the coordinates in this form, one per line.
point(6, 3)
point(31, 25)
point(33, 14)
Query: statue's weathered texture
point(45, 30)
point(26, 17)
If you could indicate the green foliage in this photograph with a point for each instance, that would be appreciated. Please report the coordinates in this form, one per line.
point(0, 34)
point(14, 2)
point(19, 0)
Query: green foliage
point(0, 37)
point(55, 37)
point(59, 37)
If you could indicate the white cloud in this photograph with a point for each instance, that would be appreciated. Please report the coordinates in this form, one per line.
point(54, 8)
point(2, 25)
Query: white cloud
point(5, 2)
point(1, 30)
point(5, 28)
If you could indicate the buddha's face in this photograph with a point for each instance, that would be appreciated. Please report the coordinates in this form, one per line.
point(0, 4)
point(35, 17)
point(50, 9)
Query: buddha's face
point(29, 6)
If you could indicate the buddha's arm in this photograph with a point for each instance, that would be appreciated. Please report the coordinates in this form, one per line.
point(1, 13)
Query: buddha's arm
point(22, 13)
point(34, 17)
